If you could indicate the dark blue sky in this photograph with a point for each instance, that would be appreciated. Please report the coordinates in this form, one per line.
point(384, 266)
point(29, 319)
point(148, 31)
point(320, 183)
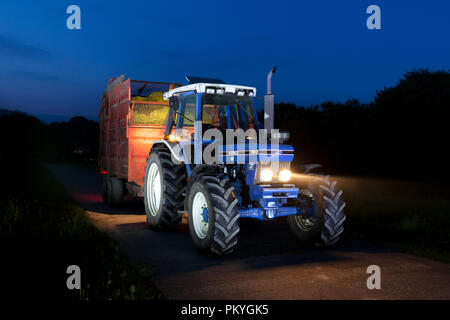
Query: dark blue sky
point(322, 48)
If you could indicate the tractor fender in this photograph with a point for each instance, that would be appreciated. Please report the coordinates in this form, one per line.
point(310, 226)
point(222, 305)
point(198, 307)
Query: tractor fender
point(308, 168)
point(174, 148)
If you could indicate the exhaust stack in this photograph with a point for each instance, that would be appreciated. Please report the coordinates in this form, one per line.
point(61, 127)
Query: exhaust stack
point(269, 102)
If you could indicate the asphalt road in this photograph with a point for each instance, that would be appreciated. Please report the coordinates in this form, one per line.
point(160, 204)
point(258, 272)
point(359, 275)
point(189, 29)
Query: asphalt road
point(268, 262)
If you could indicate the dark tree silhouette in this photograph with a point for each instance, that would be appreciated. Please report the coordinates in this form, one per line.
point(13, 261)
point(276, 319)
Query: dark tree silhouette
point(401, 133)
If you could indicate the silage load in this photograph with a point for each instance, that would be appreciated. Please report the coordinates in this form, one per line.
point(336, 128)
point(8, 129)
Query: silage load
point(156, 96)
point(149, 114)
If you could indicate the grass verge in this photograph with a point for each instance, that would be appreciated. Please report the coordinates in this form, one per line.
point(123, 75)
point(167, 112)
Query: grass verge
point(43, 231)
point(409, 216)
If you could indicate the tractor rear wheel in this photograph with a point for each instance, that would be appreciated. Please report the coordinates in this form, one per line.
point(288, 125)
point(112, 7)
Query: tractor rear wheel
point(326, 226)
point(164, 187)
point(213, 214)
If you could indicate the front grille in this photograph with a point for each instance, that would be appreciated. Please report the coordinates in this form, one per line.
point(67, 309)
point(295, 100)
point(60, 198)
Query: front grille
point(234, 153)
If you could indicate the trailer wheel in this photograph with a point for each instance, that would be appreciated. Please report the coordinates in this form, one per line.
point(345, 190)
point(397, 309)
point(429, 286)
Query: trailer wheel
point(105, 190)
point(325, 228)
point(116, 192)
point(213, 214)
point(164, 187)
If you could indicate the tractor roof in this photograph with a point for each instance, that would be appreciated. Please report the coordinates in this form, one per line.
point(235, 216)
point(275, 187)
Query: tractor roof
point(219, 88)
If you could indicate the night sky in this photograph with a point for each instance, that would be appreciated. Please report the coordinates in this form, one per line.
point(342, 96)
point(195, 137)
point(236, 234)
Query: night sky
point(323, 49)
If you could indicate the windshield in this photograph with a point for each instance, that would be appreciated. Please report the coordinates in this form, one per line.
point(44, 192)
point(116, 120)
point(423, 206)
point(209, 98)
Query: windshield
point(228, 112)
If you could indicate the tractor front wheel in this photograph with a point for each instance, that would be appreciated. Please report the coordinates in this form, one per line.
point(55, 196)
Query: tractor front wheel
point(326, 225)
point(213, 214)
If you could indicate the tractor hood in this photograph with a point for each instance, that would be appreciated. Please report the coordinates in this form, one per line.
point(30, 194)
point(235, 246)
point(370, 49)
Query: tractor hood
point(250, 152)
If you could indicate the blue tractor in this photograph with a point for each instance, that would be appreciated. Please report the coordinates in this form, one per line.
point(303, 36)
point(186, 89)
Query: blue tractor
point(248, 177)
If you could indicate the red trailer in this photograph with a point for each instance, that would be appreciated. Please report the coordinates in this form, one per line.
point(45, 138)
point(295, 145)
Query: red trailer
point(132, 115)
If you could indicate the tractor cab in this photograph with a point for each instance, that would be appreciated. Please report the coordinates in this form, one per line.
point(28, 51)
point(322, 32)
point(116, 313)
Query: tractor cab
point(211, 106)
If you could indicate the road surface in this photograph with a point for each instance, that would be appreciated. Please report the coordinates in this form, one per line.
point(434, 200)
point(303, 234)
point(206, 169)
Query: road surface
point(268, 263)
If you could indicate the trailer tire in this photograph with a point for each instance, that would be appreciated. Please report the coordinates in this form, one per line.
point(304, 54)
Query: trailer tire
point(105, 196)
point(116, 192)
point(164, 187)
point(326, 228)
point(219, 233)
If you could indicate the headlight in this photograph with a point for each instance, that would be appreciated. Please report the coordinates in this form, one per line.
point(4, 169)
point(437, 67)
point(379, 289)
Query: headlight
point(266, 175)
point(285, 175)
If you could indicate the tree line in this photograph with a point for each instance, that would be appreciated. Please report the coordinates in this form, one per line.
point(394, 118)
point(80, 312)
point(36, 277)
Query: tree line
point(402, 132)
point(25, 137)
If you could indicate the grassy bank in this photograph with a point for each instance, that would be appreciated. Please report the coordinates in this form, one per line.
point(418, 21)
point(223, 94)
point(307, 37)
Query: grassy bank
point(410, 216)
point(43, 232)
